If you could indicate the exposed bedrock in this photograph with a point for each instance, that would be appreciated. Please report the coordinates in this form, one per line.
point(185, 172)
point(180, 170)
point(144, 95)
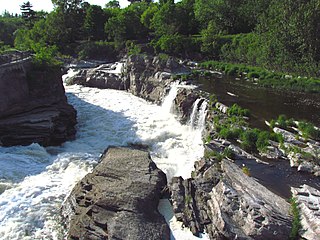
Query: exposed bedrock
point(143, 76)
point(119, 199)
point(33, 106)
point(228, 204)
point(308, 200)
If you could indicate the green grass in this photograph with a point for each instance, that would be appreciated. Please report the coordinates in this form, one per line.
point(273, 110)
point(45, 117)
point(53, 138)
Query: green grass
point(265, 77)
point(296, 222)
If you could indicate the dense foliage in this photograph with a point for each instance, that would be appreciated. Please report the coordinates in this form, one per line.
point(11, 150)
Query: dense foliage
point(281, 35)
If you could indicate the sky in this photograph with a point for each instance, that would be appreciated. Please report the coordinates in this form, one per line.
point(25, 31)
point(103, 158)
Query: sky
point(13, 6)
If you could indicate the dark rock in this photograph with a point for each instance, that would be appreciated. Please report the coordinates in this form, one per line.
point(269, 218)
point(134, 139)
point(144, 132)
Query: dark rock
point(184, 102)
point(119, 199)
point(229, 205)
point(33, 107)
point(144, 76)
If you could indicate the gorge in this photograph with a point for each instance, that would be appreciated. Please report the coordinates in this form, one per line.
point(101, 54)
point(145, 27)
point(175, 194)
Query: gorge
point(30, 204)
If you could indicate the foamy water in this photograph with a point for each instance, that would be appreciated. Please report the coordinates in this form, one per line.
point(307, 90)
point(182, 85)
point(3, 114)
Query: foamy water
point(38, 179)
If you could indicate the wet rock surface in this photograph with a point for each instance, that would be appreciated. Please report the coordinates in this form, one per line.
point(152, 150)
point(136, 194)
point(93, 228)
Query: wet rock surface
point(227, 204)
point(33, 107)
point(119, 199)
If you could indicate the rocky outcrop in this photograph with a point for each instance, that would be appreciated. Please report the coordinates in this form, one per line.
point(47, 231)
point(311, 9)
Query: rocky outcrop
point(103, 77)
point(308, 200)
point(33, 107)
point(119, 199)
point(143, 76)
point(148, 76)
point(228, 204)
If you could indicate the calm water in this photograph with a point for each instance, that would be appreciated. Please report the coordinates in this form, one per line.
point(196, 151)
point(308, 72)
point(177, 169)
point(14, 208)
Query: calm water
point(267, 104)
point(264, 104)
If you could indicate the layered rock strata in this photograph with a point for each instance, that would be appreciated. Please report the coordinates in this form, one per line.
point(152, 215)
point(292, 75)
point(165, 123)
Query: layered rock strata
point(308, 200)
point(144, 76)
point(227, 204)
point(119, 199)
point(33, 106)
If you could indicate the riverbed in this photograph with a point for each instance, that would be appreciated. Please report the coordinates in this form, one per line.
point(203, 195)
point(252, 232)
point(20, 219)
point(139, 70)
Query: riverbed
point(35, 180)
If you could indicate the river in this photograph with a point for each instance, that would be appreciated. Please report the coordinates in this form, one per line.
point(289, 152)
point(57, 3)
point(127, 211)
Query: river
point(266, 104)
point(35, 180)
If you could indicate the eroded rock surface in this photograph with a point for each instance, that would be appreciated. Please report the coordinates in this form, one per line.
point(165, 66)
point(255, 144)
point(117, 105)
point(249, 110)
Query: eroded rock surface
point(229, 205)
point(119, 199)
point(144, 76)
point(308, 200)
point(33, 106)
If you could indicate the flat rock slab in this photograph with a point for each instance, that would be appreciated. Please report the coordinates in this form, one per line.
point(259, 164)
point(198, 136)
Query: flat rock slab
point(119, 199)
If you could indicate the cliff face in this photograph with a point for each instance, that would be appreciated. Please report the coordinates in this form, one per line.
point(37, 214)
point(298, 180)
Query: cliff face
point(33, 106)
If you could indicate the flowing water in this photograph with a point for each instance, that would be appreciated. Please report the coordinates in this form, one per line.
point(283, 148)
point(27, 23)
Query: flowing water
point(266, 104)
point(35, 180)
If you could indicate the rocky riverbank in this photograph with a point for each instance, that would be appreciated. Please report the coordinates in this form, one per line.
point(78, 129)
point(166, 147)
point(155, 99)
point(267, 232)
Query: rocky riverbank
point(33, 106)
point(220, 198)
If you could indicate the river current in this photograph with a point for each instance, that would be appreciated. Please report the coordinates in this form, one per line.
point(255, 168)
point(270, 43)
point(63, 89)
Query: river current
point(34, 181)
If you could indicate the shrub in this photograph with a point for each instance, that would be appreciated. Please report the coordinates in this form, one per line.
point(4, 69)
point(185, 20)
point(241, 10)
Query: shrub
point(236, 110)
point(308, 130)
point(97, 50)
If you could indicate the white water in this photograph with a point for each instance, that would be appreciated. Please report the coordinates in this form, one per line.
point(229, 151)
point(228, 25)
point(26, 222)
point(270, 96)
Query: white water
point(38, 179)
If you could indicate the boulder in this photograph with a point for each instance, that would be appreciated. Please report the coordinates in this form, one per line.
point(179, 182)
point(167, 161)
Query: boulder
point(308, 200)
point(228, 204)
point(119, 199)
point(33, 106)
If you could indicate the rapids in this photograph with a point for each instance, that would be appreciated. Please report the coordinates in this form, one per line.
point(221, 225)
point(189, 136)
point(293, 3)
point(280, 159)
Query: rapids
point(35, 180)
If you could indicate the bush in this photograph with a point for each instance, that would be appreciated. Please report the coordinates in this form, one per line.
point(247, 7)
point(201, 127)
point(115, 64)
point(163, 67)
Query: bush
point(308, 130)
point(249, 139)
point(97, 50)
point(236, 110)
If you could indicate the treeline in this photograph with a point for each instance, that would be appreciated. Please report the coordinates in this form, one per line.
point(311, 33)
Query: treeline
point(281, 35)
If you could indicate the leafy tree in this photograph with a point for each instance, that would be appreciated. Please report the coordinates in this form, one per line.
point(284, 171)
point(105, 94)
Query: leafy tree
point(94, 22)
point(113, 4)
point(290, 31)
point(125, 24)
point(8, 25)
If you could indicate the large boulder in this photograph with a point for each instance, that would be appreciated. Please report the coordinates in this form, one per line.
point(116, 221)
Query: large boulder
point(228, 204)
point(119, 199)
point(33, 106)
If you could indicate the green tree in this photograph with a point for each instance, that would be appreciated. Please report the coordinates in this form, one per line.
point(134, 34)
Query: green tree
point(28, 14)
point(290, 31)
point(94, 22)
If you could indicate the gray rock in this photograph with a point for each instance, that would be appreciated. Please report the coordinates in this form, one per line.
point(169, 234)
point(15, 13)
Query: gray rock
point(308, 200)
point(306, 167)
point(229, 205)
point(33, 106)
point(119, 199)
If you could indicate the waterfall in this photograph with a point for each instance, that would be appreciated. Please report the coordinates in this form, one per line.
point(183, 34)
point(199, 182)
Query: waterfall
point(202, 116)
point(198, 115)
point(168, 101)
point(194, 113)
